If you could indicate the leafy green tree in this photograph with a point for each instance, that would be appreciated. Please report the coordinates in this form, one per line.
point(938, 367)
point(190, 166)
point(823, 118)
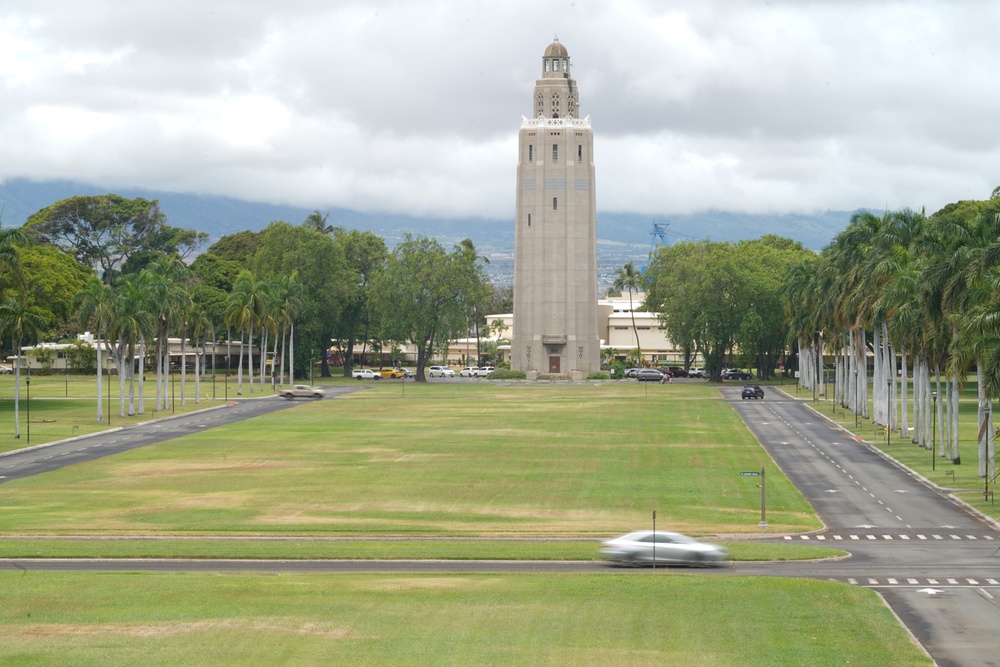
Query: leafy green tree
point(239, 247)
point(320, 268)
point(108, 231)
point(365, 254)
point(424, 292)
point(52, 279)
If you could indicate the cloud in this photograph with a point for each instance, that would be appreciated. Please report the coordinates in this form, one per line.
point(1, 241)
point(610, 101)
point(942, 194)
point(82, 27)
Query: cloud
point(415, 106)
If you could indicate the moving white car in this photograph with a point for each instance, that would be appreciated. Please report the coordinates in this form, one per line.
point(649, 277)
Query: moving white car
point(642, 546)
point(440, 372)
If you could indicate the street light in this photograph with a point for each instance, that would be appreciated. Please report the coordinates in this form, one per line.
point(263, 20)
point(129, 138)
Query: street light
point(888, 411)
point(934, 431)
point(27, 383)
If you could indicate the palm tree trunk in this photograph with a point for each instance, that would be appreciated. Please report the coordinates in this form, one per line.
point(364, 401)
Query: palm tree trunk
point(250, 357)
point(142, 375)
point(17, 390)
point(97, 346)
point(291, 354)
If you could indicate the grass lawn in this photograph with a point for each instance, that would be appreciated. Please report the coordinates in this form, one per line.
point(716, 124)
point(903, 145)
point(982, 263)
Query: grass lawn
point(433, 460)
point(612, 619)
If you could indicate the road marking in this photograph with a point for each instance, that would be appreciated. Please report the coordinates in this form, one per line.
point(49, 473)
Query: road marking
point(955, 537)
point(821, 537)
point(871, 537)
point(973, 582)
point(838, 537)
point(993, 582)
point(887, 537)
point(970, 537)
point(930, 591)
point(855, 537)
point(912, 581)
point(922, 537)
point(851, 581)
point(937, 537)
point(873, 582)
point(892, 581)
point(904, 537)
point(932, 582)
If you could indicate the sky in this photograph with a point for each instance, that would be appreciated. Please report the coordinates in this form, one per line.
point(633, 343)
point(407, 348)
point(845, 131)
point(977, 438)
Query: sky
point(414, 106)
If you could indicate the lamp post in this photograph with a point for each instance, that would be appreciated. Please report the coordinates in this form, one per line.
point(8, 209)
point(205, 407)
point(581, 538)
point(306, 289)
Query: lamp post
point(27, 383)
point(934, 431)
point(888, 411)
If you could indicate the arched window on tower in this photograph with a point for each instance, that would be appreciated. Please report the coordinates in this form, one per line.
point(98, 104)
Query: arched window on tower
point(531, 152)
point(555, 152)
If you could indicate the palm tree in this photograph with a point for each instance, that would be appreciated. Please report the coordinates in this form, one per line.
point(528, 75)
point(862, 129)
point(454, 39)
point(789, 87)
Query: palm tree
point(317, 221)
point(243, 312)
point(166, 278)
point(22, 325)
point(131, 322)
point(94, 306)
point(288, 296)
point(628, 278)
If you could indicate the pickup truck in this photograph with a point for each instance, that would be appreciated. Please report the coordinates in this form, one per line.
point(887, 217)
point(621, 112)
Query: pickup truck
point(301, 391)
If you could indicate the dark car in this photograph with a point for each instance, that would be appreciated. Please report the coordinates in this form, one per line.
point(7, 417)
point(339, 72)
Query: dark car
point(753, 391)
point(674, 371)
point(649, 375)
point(736, 374)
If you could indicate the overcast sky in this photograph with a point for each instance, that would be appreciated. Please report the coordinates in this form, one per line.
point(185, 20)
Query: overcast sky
point(414, 106)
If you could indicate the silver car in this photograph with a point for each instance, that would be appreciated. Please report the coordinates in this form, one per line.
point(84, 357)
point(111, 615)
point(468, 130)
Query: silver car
point(440, 371)
point(638, 548)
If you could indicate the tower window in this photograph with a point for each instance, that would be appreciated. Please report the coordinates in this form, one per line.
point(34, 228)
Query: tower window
point(531, 152)
point(579, 152)
point(555, 203)
point(529, 220)
point(555, 152)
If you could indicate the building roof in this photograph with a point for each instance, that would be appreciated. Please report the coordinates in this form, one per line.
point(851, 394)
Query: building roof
point(555, 49)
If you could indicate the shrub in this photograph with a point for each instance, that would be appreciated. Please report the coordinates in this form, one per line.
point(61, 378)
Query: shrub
point(598, 376)
point(507, 374)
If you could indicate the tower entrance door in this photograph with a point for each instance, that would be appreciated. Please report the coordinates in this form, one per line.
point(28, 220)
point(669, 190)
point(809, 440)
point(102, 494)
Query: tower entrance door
point(554, 365)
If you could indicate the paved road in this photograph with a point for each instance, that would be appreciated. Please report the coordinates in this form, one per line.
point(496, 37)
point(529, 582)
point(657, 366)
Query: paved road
point(934, 562)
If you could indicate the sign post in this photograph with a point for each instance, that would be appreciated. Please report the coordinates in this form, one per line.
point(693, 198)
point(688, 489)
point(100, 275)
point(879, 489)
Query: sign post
point(654, 539)
point(763, 494)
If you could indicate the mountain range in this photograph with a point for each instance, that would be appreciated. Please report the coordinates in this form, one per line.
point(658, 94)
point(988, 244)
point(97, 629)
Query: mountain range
point(622, 236)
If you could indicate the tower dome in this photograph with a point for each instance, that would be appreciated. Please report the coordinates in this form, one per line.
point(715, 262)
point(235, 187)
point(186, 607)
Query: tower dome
point(556, 50)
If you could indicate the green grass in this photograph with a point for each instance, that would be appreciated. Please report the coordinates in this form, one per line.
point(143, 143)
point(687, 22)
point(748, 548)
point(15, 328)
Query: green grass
point(361, 549)
point(608, 619)
point(433, 460)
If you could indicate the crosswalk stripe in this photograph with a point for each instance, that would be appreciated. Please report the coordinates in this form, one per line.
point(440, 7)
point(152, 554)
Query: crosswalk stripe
point(851, 580)
point(922, 537)
point(912, 581)
point(871, 537)
point(973, 582)
point(937, 537)
point(855, 537)
point(953, 582)
point(904, 537)
point(970, 537)
point(873, 582)
point(892, 581)
point(932, 582)
point(993, 582)
point(955, 537)
point(821, 537)
point(887, 537)
point(838, 537)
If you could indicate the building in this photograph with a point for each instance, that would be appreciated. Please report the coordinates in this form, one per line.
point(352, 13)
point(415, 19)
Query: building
point(555, 232)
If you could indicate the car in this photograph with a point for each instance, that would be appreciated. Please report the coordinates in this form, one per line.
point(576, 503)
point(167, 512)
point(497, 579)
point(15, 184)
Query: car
point(469, 372)
point(6, 370)
point(408, 372)
point(630, 372)
point(753, 391)
point(697, 372)
point(674, 371)
point(649, 375)
point(484, 371)
point(642, 546)
point(301, 391)
point(365, 374)
point(392, 373)
point(736, 374)
point(440, 372)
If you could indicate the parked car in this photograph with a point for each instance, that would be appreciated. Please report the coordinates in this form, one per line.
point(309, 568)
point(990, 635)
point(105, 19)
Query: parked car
point(440, 372)
point(649, 375)
point(365, 374)
point(698, 372)
point(736, 374)
point(301, 391)
point(630, 373)
point(753, 391)
point(392, 373)
point(484, 371)
point(408, 372)
point(674, 371)
point(638, 548)
point(469, 372)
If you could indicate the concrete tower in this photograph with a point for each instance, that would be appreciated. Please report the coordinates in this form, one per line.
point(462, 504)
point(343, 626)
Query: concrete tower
point(555, 235)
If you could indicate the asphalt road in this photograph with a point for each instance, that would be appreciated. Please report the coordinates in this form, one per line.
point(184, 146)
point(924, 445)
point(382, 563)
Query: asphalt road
point(933, 561)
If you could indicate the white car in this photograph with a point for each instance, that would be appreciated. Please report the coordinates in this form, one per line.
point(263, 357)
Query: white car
point(698, 372)
point(301, 391)
point(642, 546)
point(484, 371)
point(440, 372)
point(469, 372)
point(365, 374)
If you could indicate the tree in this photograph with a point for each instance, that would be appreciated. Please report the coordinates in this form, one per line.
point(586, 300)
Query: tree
point(423, 294)
point(630, 279)
point(365, 254)
point(21, 325)
point(107, 231)
point(243, 313)
point(317, 222)
point(94, 307)
point(51, 281)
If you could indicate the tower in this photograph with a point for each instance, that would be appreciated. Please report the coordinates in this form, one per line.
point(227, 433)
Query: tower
point(555, 235)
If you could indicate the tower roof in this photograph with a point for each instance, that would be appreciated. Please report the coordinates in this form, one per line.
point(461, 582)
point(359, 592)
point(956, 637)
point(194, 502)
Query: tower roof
point(556, 50)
